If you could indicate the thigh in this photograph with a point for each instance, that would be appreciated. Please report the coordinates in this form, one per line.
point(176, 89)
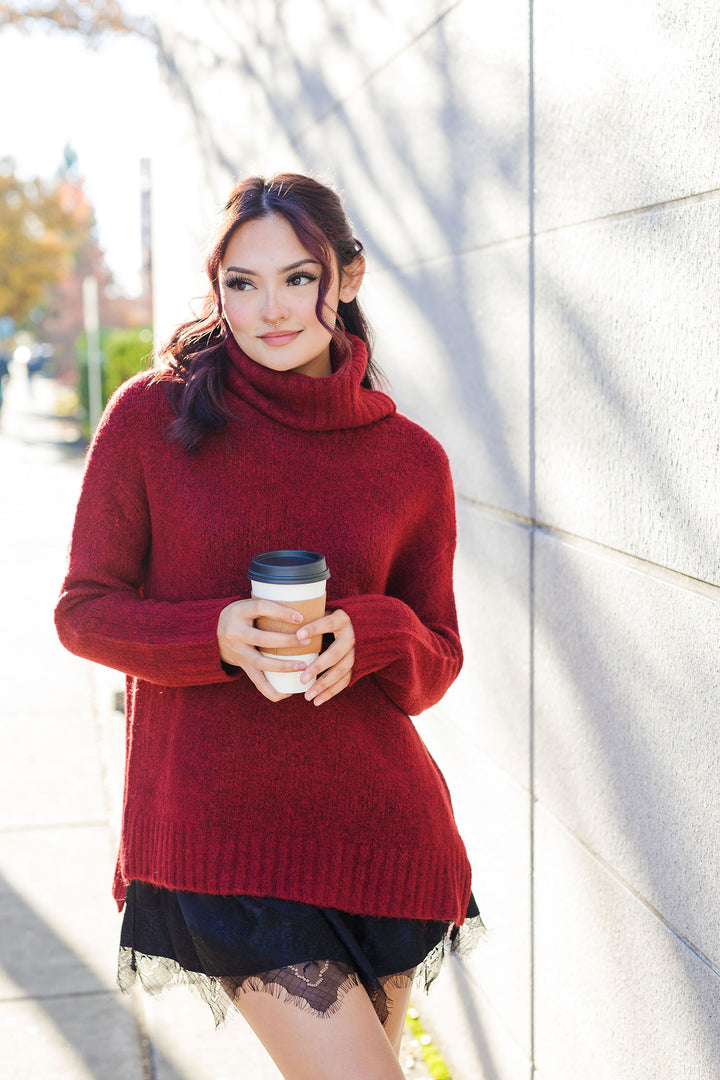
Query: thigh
point(398, 999)
point(349, 1045)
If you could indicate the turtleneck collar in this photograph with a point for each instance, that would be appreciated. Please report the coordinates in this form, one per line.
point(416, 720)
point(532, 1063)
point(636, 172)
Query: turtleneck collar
point(331, 403)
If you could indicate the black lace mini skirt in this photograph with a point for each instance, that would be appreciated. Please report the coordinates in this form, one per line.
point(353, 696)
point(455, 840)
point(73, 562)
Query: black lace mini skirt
point(223, 946)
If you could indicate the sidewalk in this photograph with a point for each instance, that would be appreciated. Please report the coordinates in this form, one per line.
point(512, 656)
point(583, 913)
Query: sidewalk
point(61, 1016)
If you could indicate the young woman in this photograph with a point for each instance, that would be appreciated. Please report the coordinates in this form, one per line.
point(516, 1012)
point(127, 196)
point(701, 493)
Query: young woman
point(294, 856)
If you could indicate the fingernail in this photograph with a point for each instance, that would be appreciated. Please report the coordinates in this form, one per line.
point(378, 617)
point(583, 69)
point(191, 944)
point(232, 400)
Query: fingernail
point(297, 617)
point(303, 634)
point(300, 667)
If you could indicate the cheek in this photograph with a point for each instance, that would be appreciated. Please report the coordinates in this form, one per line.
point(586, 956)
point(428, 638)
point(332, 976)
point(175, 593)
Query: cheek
point(236, 312)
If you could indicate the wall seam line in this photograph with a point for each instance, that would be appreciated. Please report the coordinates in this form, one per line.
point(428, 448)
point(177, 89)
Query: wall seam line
point(617, 877)
point(447, 256)
point(532, 507)
point(498, 511)
point(636, 563)
point(711, 195)
point(340, 104)
point(676, 578)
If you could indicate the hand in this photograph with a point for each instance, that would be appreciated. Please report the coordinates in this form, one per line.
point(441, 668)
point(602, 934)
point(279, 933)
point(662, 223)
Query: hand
point(240, 641)
point(337, 661)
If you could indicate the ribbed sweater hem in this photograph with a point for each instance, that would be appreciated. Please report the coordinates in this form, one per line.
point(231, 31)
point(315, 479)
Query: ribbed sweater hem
point(360, 878)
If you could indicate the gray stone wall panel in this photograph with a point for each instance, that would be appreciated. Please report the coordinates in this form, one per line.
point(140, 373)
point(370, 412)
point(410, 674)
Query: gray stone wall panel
point(626, 681)
point(618, 996)
point(626, 385)
point(432, 151)
point(625, 105)
point(489, 704)
point(302, 57)
point(452, 338)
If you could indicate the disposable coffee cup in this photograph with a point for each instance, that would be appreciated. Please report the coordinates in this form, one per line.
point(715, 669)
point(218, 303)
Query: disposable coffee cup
point(295, 579)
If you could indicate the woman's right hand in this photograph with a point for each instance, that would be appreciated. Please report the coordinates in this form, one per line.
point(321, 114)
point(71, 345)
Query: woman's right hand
point(240, 641)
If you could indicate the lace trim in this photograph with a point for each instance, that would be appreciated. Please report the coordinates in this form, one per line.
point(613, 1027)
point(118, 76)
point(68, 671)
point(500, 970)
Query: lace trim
point(318, 986)
point(459, 941)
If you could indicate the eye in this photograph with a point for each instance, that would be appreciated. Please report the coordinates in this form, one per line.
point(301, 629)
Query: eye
point(235, 281)
point(302, 278)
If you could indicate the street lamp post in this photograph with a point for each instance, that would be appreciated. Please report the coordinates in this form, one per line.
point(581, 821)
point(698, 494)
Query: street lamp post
point(91, 321)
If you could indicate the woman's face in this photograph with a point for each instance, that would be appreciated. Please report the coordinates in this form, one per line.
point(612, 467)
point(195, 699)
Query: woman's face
point(269, 288)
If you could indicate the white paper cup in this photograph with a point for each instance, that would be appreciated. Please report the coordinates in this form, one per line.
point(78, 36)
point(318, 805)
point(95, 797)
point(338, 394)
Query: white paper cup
point(307, 597)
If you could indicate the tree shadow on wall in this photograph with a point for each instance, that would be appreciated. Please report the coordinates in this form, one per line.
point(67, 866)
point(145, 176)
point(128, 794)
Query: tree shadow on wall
point(429, 215)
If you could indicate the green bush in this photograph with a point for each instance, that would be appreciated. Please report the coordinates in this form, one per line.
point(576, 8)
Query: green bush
point(122, 353)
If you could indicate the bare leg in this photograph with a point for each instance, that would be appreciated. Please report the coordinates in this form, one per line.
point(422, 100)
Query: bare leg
point(398, 1001)
point(351, 1045)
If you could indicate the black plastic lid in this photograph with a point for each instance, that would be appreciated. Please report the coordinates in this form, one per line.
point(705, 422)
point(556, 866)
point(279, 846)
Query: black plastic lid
point(289, 567)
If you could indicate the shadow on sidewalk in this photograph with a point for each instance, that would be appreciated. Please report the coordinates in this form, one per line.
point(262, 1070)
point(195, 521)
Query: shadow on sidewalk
point(28, 947)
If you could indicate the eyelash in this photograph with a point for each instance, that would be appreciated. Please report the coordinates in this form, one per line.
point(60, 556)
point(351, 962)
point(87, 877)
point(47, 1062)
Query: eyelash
point(233, 281)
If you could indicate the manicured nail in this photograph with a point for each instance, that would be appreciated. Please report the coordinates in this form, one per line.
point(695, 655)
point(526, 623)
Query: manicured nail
point(297, 617)
point(303, 633)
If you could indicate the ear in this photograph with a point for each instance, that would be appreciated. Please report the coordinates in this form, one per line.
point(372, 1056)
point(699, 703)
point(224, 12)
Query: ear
point(352, 277)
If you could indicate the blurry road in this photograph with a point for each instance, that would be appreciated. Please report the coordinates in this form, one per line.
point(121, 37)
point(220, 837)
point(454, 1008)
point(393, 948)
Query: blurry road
point(61, 755)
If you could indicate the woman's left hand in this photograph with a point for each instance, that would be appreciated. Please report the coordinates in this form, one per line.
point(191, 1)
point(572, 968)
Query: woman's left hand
point(337, 660)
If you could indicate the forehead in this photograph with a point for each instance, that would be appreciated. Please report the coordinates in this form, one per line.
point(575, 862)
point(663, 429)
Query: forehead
point(266, 242)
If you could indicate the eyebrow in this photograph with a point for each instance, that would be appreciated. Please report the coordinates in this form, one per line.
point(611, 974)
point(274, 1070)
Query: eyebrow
point(284, 270)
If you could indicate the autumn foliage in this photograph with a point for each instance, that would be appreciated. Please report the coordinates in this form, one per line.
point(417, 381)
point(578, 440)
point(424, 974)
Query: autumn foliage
point(47, 247)
point(90, 18)
point(38, 232)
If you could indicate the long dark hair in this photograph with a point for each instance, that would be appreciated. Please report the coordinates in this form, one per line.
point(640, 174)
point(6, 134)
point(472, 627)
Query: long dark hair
point(195, 356)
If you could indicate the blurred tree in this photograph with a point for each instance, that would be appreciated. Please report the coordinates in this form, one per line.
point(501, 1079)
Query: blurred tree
point(61, 318)
point(37, 233)
point(90, 18)
point(47, 247)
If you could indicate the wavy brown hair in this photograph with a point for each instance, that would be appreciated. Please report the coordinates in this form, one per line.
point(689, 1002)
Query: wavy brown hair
point(195, 356)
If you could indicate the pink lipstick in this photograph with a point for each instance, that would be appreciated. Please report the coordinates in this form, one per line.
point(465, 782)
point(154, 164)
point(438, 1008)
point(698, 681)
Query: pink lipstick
point(282, 338)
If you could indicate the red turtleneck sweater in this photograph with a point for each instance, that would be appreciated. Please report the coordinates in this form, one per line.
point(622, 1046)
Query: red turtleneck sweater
point(339, 805)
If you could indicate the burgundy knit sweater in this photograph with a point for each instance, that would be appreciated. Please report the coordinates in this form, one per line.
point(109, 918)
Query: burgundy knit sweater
point(339, 805)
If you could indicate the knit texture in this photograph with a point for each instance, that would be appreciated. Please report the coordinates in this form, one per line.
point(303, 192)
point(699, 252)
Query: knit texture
point(339, 805)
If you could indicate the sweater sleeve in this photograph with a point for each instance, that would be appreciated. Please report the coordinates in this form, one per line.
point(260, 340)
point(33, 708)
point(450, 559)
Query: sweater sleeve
point(408, 638)
point(102, 614)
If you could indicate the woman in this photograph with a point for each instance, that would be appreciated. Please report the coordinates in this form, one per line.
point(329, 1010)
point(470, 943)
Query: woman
point(294, 855)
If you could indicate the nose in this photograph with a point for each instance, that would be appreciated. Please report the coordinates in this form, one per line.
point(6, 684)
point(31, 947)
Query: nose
point(273, 309)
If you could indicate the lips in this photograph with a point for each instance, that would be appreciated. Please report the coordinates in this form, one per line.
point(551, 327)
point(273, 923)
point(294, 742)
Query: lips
point(282, 338)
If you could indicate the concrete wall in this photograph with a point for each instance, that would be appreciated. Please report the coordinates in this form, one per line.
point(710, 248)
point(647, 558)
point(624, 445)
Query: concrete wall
point(538, 188)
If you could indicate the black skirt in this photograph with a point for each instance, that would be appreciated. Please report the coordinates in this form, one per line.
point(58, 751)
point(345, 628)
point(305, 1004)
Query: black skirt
point(223, 946)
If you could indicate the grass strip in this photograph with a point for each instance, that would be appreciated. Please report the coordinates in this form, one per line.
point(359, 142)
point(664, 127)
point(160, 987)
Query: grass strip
point(431, 1056)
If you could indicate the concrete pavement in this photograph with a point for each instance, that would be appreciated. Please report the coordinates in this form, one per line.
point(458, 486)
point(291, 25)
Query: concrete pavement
point(61, 1015)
